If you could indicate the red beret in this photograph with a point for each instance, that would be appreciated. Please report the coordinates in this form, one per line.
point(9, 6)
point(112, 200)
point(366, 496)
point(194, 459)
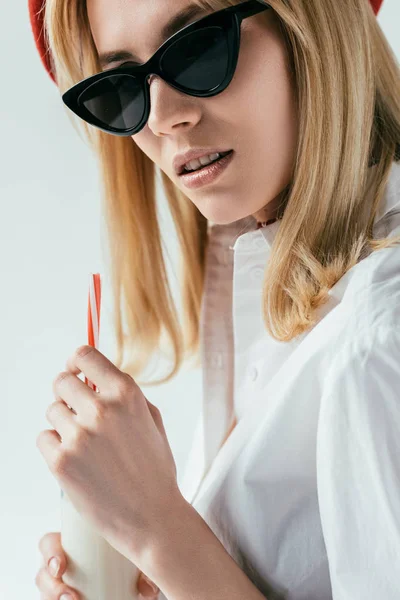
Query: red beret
point(36, 19)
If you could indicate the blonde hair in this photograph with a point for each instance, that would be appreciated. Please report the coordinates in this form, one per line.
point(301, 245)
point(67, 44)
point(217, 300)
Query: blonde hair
point(347, 84)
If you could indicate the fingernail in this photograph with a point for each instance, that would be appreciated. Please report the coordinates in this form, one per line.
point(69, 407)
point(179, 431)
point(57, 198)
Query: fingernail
point(154, 588)
point(66, 597)
point(151, 584)
point(54, 566)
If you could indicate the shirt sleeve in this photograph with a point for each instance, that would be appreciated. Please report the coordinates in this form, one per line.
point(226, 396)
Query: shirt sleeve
point(358, 467)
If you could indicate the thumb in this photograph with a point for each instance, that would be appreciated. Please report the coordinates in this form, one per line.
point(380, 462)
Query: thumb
point(146, 587)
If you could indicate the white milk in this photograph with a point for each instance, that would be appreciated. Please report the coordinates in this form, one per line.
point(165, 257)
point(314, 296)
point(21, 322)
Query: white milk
point(95, 569)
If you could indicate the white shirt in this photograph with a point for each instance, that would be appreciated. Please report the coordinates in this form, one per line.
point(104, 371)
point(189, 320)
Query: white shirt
point(305, 492)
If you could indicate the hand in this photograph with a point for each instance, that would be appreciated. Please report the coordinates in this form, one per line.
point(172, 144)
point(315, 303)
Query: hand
point(52, 587)
point(110, 454)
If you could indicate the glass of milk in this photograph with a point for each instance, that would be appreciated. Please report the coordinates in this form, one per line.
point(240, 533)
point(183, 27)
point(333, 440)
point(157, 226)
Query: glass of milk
point(95, 569)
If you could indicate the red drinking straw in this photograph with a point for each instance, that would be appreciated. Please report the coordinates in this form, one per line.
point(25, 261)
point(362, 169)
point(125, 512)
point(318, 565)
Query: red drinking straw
point(94, 315)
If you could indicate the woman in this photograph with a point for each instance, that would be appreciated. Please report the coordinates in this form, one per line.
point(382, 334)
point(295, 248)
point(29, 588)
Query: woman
point(290, 263)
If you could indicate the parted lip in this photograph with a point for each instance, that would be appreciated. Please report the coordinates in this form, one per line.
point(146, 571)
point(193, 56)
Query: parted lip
point(182, 158)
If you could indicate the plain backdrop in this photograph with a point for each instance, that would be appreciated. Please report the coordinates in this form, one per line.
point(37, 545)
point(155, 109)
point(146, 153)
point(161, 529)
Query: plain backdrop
point(51, 239)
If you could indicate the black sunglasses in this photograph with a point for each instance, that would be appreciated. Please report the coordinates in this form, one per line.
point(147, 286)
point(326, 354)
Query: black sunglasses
point(199, 60)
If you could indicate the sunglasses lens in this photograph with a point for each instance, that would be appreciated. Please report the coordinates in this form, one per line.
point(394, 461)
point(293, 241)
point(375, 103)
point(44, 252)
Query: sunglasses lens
point(117, 101)
point(198, 61)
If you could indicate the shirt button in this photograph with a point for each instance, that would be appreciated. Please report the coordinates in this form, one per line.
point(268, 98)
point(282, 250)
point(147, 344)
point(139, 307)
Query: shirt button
point(253, 373)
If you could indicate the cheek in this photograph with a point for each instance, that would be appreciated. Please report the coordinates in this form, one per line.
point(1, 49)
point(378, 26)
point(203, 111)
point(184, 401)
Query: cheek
point(270, 109)
point(274, 111)
point(144, 140)
point(140, 140)
point(260, 98)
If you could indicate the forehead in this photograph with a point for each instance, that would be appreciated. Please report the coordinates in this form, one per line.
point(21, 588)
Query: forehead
point(132, 24)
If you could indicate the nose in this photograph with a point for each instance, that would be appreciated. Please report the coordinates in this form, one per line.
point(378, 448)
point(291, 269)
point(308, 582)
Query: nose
point(170, 109)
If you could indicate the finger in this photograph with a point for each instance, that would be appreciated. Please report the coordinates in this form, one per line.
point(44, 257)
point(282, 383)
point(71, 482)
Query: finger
point(50, 546)
point(51, 587)
point(146, 587)
point(73, 392)
point(48, 443)
point(97, 368)
point(60, 417)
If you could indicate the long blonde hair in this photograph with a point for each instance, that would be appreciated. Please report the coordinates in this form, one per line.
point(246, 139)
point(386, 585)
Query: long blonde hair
point(347, 83)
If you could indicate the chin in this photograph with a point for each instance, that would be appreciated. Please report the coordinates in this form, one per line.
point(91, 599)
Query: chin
point(226, 216)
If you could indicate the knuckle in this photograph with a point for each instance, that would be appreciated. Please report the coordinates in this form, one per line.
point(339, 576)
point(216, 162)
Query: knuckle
point(99, 412)
point(60, 378)
point(39, 578)
point(83, 350)
point(125, 385)
point(49, 410)
point(40, 438)
point(43, 542)
point(60, 462)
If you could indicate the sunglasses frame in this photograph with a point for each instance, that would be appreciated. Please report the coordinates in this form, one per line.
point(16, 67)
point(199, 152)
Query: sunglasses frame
point(228, 18)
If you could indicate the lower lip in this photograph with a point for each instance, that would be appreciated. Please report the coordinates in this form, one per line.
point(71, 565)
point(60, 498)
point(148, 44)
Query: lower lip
point(206, 175)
